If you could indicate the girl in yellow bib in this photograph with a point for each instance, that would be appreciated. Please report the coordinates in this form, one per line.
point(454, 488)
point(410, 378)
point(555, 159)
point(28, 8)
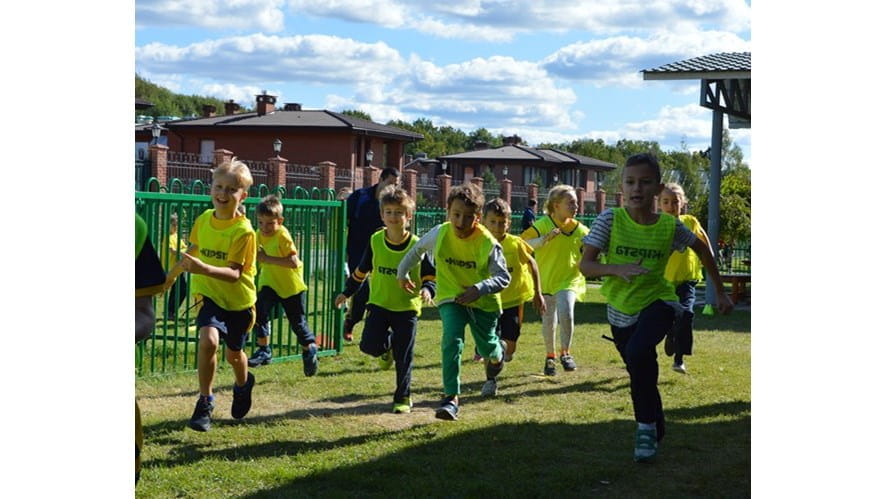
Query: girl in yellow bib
point(556, 239)
point(641, 304)
point(683, 271)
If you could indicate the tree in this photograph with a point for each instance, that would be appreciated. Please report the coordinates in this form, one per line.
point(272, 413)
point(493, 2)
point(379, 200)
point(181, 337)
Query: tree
point(356, 113)
point(168, 103)
point(735, 206)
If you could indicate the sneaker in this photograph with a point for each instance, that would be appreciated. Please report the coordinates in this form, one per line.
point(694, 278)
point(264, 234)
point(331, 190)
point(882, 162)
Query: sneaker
point(508, 357)
point(478, 357)
point(309, 360)
point(493, 370)
point(549, 367)
point(669, 345)
point(645, 445)
point(448, 410)
point(349, 331)
point(679, 368)
point(403, 406)
point(243, 397)
point(568, 362)
point(260, 357)
point(385, 360)
point(203, 412)
point(489, 389)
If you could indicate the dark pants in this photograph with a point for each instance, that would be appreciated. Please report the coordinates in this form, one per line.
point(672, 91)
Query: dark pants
point(358, 303)
point(683, 328)
point(637, 346)
point(385, 330)
point(293, 306)
point(177, 294)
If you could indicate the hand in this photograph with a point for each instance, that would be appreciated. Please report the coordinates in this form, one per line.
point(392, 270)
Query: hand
point(551, 235)
point(629, 270)
point(426, 296)
point(192, 264)
point(470, 294)
point(407, 285)
point(260, 254)
point(340, 300)
point(725, 304)
point(539, 303)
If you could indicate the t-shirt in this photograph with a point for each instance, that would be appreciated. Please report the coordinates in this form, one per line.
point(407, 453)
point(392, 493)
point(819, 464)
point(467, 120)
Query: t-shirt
point(684, 265)
point(219, 243)
point(558, 259)
point(285, 281)
point(517, 256)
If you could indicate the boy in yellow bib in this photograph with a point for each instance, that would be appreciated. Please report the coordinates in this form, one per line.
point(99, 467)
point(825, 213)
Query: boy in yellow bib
point(683, 271)
point(221, 260)
point(641, 304)
point(280, 281)
point(524, 285)
point(471, 271)
point(557, 240)
point(389, 332)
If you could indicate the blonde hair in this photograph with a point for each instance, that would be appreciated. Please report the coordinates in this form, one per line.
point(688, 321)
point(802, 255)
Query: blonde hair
point(678, 192)
point(556, 194)
point(238, 169)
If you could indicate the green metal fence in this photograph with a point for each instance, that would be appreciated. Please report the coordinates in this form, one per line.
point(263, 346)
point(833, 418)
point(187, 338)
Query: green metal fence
point(316, 221)
point(426, 219)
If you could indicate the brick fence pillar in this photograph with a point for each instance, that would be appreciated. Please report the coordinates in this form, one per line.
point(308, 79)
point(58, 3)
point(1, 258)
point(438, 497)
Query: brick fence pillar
point(276, 172)
point(619, 201)
point(158, 153)
point(580, 199)
point(370, 176)
point(505, 191)
point(409, 182)
point(221, 156)
point(600, 200)
point(478, 181)
point(327, 175)
point(533, 192)
point(444, 181)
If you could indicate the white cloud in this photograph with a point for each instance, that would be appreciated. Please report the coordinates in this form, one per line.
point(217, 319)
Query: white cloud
point(265, 59)
point(386, 13)
point(213, 14)
point(619, 60)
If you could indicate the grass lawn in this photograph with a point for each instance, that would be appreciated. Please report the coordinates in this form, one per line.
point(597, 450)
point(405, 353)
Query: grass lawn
point(570, 435)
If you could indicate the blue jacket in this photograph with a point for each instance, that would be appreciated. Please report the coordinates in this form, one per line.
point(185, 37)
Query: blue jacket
point(363, 220)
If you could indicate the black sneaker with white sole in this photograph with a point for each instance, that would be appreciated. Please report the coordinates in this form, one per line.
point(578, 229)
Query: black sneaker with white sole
point(243, 397)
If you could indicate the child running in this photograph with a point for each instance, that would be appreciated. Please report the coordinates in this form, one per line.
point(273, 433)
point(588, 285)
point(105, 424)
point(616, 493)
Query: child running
point(389, 332)
point(683, 271)
point(221, 260)
point(524, 285)
point(471, 271)
point(280, 281)
point(557, 241)
point(641, 304)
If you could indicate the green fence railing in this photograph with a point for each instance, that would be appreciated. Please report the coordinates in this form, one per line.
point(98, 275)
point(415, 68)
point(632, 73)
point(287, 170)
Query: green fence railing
point(426, 218)
point(315, 219)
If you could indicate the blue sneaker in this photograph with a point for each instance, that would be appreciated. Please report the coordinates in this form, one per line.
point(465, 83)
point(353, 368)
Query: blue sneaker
point(309, 360)
point(260, 357)
point(645, 445)
point(201, 419)
point(448, 410)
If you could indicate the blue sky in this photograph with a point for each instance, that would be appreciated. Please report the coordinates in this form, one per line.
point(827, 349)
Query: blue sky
point(547, 70)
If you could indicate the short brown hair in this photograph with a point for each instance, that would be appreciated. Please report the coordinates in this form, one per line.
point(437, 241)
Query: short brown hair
point(395, 195)
point(468, 193)
point(270, 205)
point(497, 206)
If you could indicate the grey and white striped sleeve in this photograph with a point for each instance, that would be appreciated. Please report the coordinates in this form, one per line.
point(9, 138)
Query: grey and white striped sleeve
point(599, 235)
point(683, 237)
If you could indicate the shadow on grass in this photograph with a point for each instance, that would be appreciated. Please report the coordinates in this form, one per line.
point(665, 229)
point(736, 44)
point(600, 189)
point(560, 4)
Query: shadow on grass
point(529, 460)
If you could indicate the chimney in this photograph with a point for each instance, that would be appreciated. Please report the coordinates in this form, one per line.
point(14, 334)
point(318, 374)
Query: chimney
point(209, 110)
point(231, 107)
point(292, 106)
point(480, 144)
point(265, 103)
point(512, 141)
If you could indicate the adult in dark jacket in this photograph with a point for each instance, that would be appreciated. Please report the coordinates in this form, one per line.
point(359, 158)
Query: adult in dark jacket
point(529, 215)
point(363, 218)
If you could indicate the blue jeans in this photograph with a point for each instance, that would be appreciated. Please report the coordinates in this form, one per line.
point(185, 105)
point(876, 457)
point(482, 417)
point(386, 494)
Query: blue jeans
point(683, 328)
point(637, 346)
point(385, 330)
point(294, 306)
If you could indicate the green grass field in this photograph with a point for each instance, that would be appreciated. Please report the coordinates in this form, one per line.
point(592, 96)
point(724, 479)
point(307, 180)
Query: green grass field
point(570, 435)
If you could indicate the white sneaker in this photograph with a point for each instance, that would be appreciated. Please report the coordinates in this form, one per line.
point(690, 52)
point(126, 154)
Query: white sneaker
point(679, 368)
point(489, 389)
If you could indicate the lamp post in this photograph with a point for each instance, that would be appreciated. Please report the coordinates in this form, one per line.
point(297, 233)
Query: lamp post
point(598, 180)
point(278, 145)
point(443, 166)
point(555, 179)
point(155, 132)
point(504, 173)
point(369, 157)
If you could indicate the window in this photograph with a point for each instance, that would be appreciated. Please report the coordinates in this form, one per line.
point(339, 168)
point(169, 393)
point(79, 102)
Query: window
point(206, 150)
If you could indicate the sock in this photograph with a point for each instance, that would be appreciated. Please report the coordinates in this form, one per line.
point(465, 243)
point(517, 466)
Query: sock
point(208, 398)
point(646, 426)
point(549, 356)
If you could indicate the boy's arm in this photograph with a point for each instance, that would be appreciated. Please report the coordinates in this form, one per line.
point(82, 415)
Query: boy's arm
point(242, 247)
point(591, 267)
point(352, 284)
point(292, 261)
point(725, 305)
point(424, 245)
point(429, 285)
